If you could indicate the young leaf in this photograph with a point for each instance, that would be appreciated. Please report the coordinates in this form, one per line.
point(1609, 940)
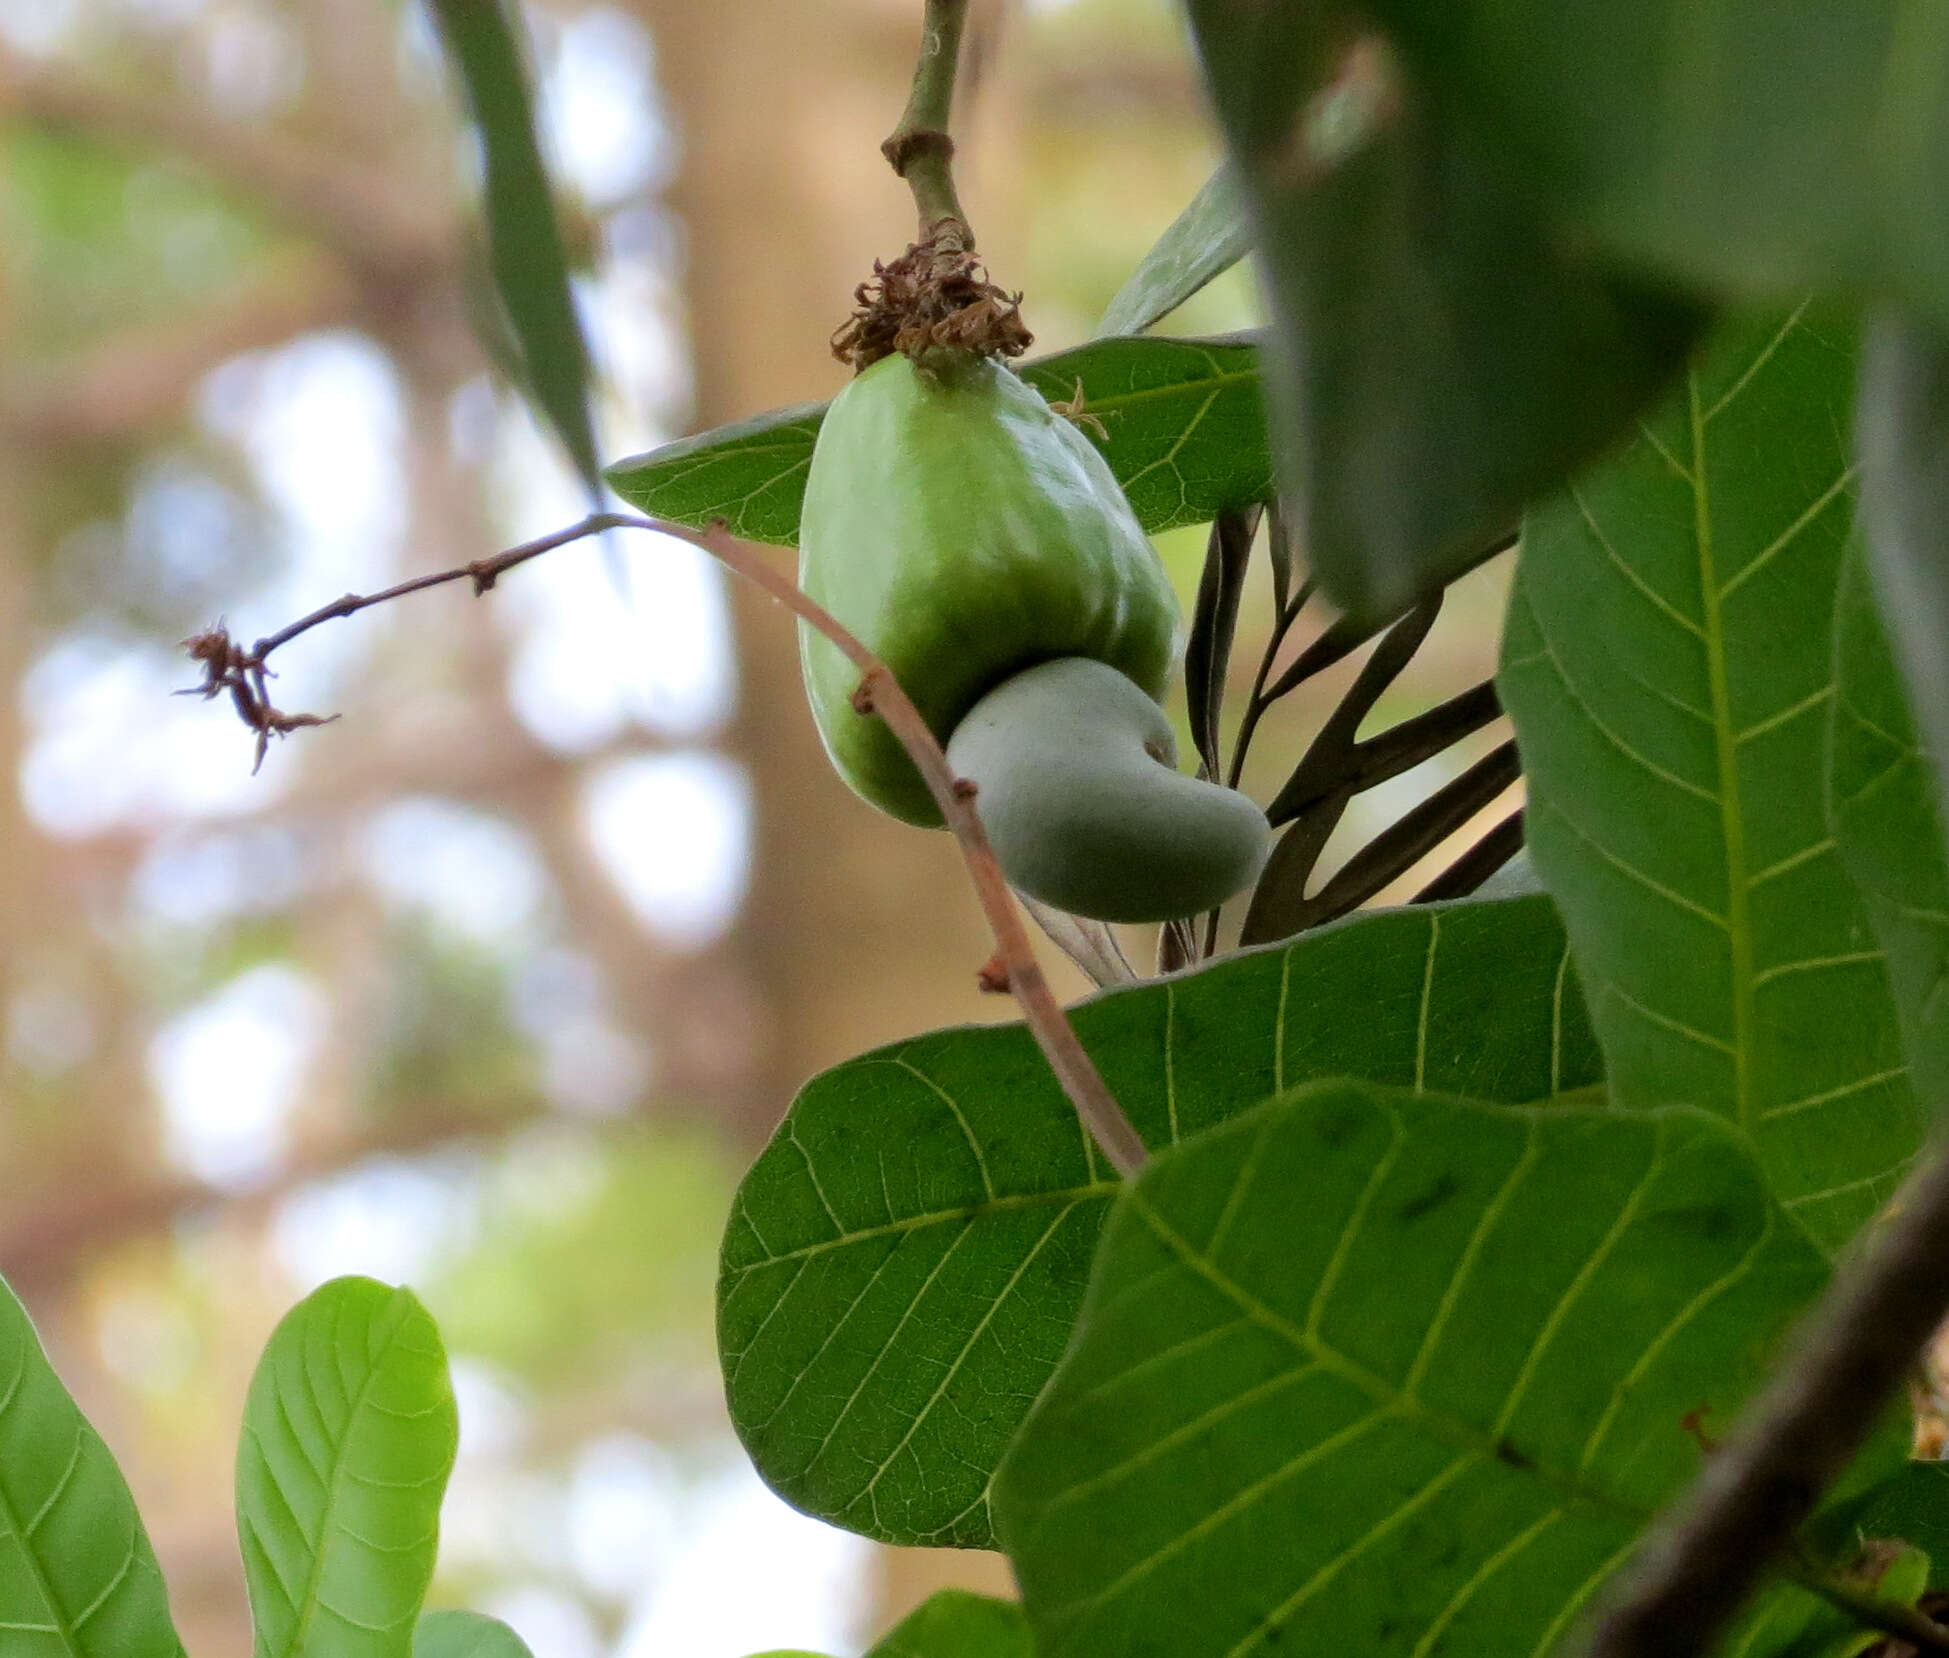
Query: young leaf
point(1210, 236)
point(1667, 665)
point(1428, 1408)
point(524, 240)
point(1881, 802)
point(349, 1435)
point(904, 1261)
point(956, 1624)
point(1655, 130)
point(1437, 357)
point(1182, 429)
point(466, 1635)
point(78, 1578)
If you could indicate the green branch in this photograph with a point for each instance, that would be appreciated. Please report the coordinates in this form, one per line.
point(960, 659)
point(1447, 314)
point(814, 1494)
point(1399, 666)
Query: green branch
point(919, 148)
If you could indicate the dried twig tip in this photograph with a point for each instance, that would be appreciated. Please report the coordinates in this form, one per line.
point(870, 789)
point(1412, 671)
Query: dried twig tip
point(227, 666)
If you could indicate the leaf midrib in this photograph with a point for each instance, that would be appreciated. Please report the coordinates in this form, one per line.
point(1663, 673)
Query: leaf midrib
point(314, 1580)
point(1067, 1195)
point(1725, 746)
point(1389, 1398)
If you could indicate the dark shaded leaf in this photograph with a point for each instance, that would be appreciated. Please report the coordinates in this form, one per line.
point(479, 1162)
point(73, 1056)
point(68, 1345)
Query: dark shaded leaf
point(1398, 749)
point(1281, 909)
point(1280, 558)
point(1437, 358)
point(1760, 147)
point(1208, 237)
point(904, 1261)
point(1475, 866)
point(1882, 804)
point(1214, 621)
point(524, 240)
point(1186, 440)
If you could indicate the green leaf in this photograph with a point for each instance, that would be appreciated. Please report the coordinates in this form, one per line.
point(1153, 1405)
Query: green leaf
point(1437, 357)
point(349, 1435)
point(1210, 236)
point(1667, 664)
point(524, 241)
point(1658, 130)
point(466, 1635)
point(904, 1262)
point(1881, 802)
point(1186, 440)
point(957, 1624)
point(1365, 1372)
point(1912, 1504)
point(78, 1578)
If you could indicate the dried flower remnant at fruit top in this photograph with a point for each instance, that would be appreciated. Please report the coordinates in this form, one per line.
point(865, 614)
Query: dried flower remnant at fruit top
point(934, 299)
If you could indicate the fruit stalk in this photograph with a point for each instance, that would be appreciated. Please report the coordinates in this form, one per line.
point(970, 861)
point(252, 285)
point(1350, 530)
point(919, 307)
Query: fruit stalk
point(919, 148)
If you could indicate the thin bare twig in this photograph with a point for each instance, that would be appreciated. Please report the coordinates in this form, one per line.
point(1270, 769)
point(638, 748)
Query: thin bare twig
point(228, 667)
point(1850, 1358)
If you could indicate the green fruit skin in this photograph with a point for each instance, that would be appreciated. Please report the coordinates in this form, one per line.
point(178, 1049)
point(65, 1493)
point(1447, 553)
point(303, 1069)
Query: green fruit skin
point(964, 532)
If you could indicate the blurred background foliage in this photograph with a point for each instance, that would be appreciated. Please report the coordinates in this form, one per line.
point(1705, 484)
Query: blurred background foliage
point(494, 985)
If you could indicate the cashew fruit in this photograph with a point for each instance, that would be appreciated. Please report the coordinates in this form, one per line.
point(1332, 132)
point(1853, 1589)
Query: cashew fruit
point(1075, 778)
point(964, 531)
point(979, 546)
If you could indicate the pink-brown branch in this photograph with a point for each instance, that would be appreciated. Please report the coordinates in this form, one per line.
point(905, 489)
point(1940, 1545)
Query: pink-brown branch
point(242, 674)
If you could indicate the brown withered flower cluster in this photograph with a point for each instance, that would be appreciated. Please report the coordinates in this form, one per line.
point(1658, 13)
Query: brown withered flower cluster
point(934, 299)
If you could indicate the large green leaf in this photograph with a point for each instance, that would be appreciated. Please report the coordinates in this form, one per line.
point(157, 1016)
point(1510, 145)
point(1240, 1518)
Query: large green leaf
point(349, 1435)
point(78, 1578)
point(1882, 806)
point(1365, 1372)
point(957, 1624)
point(1182, 429)
point(904, 1262)
point(466, 1635)
point(524, 241)
point(1208, 237)
point(1764, 146)
point(1668, 667)
point(1437, 356)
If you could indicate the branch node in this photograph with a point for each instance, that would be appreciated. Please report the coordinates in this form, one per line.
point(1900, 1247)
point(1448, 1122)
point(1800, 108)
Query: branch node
point(904, 148)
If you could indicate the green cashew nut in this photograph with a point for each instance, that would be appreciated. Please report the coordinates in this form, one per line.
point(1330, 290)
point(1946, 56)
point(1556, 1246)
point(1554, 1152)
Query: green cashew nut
point(1076, 782)
point(966, 533)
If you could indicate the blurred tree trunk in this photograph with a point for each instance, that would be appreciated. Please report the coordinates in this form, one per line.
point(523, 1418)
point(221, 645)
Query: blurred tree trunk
point(860, 929)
